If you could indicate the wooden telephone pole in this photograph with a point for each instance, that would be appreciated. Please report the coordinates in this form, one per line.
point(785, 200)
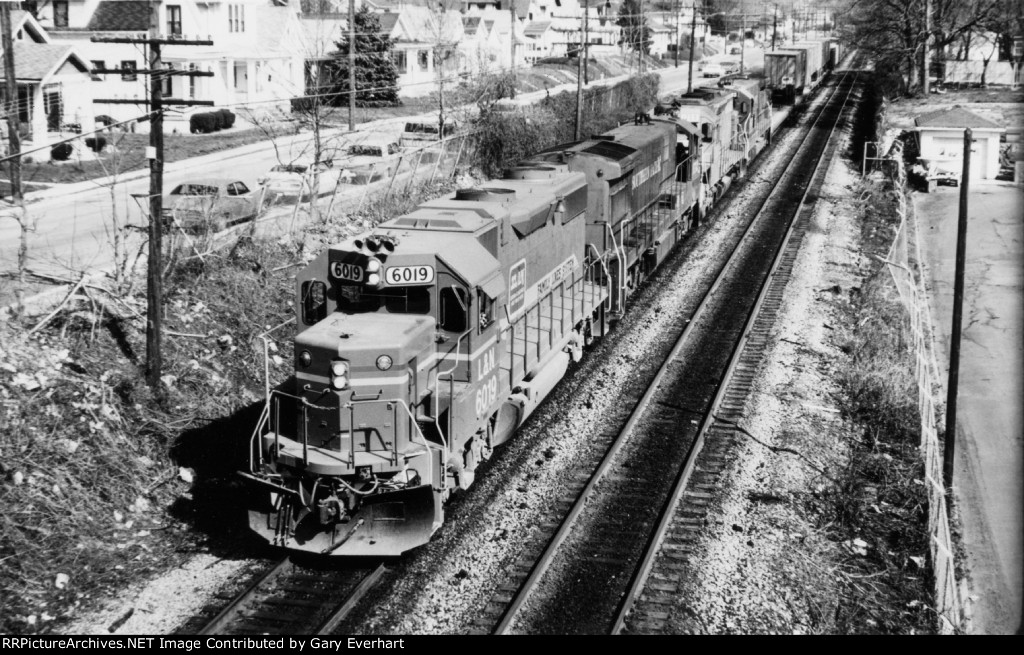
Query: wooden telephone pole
point(693, 35)
point(11, 88)
point(512, 39)
point(155, 153)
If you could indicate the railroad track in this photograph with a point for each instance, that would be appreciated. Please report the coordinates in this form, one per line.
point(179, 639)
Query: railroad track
point(593, 558)
point(298, 598)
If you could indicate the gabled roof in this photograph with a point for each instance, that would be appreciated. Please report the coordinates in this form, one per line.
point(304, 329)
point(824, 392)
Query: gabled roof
point(537, 27)
point(37, 61)
point(388, 21)
point(471, 24)
point(120, 16)
point(956, 117)
point(22, 20)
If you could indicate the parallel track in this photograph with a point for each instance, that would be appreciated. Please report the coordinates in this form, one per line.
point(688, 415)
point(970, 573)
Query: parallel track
point(604, 551)
point(654, 581)
point(292, 598)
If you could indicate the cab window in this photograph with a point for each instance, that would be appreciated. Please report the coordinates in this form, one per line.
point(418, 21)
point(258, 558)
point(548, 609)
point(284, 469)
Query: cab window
point(357, 299)
point(454, 309)
point(314, 302)
point(485, 306)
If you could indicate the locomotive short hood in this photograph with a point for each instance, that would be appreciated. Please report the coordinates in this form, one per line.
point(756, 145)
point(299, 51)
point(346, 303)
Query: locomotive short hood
point(402, 336)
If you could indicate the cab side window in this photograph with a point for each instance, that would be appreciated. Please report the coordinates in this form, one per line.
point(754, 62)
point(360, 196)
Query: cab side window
point(454, 308)
point(314, 302)
point(485, 305)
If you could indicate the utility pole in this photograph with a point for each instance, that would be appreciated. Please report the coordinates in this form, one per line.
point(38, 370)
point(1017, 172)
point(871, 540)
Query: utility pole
point(693, 33)
point(677, 33)
point(743, 41)
point(949, 447)
point(926, 58)
point(775, 27)
point(155, 153)
point(11, 88)
point(351, 65)
point(579, 95)
point(586, 41)
point(512, 39)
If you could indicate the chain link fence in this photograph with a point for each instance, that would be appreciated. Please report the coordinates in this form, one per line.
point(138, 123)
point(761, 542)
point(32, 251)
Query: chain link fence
point(903, 262)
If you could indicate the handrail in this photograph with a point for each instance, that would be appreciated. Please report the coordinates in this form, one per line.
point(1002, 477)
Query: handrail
point(451, 387)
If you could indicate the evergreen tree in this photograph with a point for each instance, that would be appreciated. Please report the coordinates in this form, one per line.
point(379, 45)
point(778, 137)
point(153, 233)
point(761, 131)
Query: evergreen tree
point(376, 75)
point(635, 32)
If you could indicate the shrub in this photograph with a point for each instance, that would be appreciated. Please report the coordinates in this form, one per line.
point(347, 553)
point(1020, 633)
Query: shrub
point(229, 118)
point(96, 143)
point(218, 119)
point(61, 152)
point(203, 123)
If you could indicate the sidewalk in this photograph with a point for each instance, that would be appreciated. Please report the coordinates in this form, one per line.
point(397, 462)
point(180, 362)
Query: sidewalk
point(987, 480)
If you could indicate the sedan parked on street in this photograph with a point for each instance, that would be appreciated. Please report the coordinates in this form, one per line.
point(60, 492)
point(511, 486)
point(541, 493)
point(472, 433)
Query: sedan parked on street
point(210, 205)
point(297, 179)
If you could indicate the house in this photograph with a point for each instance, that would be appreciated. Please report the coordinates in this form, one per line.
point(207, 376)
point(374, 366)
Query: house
point(425, 39)
point(941, 135)
point(54, 84)
point(256, 57)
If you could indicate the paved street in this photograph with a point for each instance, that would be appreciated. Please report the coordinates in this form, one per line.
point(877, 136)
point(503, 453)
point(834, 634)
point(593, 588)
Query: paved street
point(72, 232)
point(989, 450)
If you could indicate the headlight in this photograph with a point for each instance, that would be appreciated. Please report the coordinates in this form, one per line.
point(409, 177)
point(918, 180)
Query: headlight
point(384, 362)
point(339, 375)
point(373, 266)
point(305, 358)
point(373, 279)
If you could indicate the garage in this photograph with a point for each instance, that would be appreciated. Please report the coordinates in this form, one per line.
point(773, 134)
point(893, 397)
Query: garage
point(942, 141)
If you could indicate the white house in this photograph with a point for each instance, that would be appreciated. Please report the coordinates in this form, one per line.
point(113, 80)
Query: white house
point(54, 84)
point(256, 56)
point(942, 141)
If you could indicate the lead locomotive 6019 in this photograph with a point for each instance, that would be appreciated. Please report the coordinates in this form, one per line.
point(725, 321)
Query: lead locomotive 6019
point(423, 344)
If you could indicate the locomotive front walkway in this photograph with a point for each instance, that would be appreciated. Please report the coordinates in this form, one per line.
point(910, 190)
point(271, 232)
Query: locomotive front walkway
point(987, 479)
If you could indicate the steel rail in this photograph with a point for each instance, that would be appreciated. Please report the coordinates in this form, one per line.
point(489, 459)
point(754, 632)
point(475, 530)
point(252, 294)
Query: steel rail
point(552, 548)
point(668, 512)
point(248, 601)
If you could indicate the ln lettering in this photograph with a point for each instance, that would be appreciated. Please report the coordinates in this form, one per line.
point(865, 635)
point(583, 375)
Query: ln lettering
point(485, 364)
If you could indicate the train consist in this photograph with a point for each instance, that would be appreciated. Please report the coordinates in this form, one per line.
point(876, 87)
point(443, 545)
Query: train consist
point(794, 70)
point(424, 343)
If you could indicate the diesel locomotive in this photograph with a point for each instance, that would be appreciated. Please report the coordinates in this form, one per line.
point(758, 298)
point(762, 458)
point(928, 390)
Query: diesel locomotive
point(425, 342)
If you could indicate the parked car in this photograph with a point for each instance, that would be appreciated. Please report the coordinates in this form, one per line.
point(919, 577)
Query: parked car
point(416, 134)
point(372, 159)
point(296, 178)
point(210, 204)
point(712, 69)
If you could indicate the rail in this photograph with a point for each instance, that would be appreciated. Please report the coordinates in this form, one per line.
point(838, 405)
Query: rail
point(771, 284)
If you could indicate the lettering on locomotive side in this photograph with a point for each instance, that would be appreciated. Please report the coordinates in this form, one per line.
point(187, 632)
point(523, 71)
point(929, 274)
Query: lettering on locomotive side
point(350, 272)
point(517, 287)
point(487, 392)
point(646, 172)
point(562, 272)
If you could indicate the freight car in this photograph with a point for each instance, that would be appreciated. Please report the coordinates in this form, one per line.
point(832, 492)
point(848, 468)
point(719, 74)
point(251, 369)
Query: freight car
point(786, 73)
point(423, 344)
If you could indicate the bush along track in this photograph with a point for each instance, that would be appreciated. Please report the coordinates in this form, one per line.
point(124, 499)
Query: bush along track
point(876, 506)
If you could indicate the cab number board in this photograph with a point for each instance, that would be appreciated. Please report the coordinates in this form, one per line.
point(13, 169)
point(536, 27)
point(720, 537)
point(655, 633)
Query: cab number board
point(350, 272)
point(405, 275)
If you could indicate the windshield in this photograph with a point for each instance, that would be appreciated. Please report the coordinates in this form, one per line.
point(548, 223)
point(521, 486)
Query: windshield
point(289, 168)
point(357, 299)
point(365, 150)
point(194, 190)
